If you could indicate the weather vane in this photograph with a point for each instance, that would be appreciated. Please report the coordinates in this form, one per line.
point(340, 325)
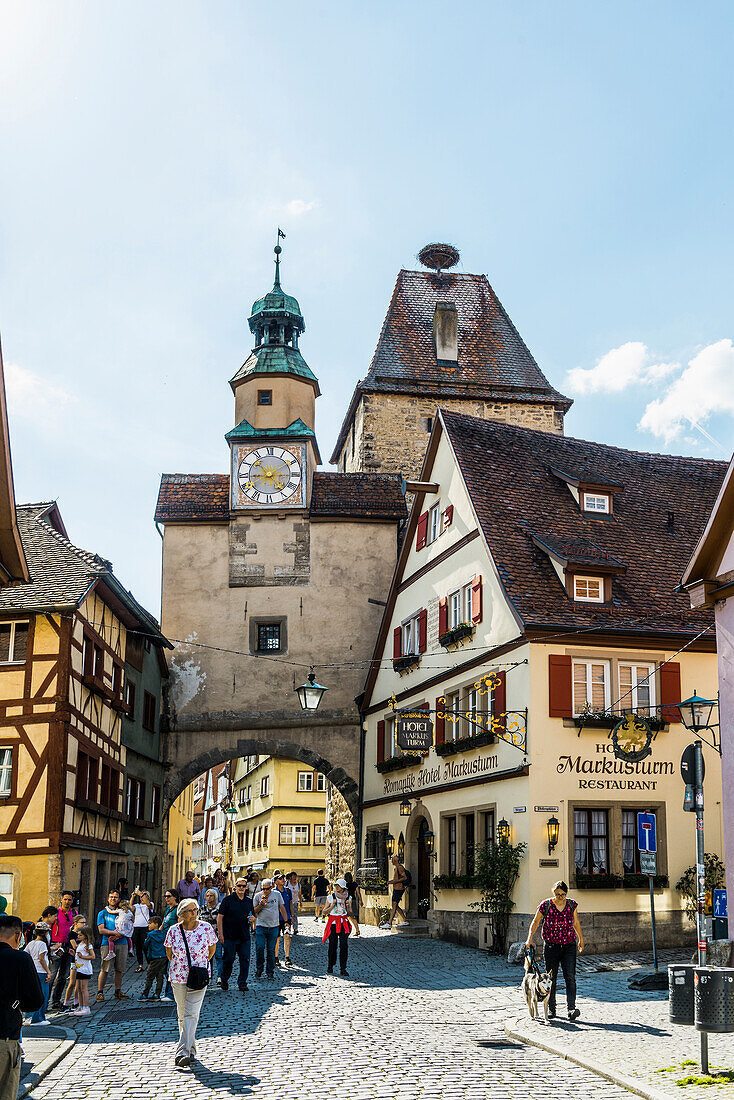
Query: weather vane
point(277, 250)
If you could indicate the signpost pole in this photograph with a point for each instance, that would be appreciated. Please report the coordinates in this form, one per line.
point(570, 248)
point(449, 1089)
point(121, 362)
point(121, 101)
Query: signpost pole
point(650, 879)
point(701, 887)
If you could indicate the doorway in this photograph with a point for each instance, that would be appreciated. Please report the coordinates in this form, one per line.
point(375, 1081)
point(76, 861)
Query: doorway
point(424, 864)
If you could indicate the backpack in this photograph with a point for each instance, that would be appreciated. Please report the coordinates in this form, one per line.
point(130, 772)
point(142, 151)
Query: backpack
point(408, 878)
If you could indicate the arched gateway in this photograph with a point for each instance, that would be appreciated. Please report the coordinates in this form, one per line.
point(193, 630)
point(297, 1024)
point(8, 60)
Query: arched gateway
point(269, 570)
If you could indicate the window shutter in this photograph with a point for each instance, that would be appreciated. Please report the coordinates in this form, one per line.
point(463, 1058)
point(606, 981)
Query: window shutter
point(670, 692)
point(422, 630)
point(422, 531)
point(560, 696)
point(448, 515)
point(397, 635)
point(476, 600)
point(499, 704)
point(443, 616)
point(440, 724)
point(380, 742)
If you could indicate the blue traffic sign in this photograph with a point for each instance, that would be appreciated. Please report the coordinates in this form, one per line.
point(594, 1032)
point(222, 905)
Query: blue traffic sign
point(646, 834)
point(720, 903)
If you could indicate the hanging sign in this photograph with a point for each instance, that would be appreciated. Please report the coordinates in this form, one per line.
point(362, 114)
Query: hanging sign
point(632, 738)
point(414, 731)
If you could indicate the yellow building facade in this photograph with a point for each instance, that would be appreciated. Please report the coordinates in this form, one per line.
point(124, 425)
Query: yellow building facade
point(180, 835)
point(281, 818)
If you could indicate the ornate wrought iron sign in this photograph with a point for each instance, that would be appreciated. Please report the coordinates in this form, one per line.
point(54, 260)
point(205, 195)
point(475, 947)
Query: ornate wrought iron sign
point(632, 738)
point(414, 731)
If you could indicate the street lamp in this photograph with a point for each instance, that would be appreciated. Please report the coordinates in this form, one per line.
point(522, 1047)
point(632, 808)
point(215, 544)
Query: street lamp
point(390, 844)
point(503, 830)
point(430, 841)
point(696, 713)
point(405, 808)
point(310, 693)
point(552, 826)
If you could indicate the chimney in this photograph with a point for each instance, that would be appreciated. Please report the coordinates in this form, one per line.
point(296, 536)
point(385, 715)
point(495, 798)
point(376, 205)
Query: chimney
point(446, 333)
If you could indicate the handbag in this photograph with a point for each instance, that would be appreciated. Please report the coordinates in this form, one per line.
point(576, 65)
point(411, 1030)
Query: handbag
point(198, 975)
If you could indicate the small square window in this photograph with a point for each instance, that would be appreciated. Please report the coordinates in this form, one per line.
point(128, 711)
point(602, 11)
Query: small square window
point(596, 502)
point(588, 589)
point(268, 637)
point(264, 397)
point(305, 781)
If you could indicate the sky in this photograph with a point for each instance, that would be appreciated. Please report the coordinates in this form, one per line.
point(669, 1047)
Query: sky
point(580, 155)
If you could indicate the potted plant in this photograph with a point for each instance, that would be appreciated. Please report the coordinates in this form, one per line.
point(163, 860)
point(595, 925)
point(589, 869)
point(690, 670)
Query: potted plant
point(456, 634)
point(497, 872)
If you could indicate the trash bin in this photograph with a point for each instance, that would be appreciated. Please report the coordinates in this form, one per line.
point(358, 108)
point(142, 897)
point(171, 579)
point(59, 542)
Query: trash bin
point(680, 994)
point(721, 928)
point(714, 998)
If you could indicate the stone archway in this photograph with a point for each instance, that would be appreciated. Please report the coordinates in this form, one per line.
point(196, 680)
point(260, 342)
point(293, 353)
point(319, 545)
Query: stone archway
point(417, 859)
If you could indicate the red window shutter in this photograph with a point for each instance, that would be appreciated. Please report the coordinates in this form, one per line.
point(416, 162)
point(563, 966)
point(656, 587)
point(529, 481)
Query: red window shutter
point(443, 616)
point(560, 695)
point(499, 703)
point(422, 631)
point(421, 533)
point(476, 600)
point(448, 515)
point(670, 692)
point(397, 635)
point(380, 742)
point(440, 724)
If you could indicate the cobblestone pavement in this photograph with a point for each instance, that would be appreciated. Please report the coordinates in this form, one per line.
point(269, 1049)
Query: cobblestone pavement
point(417, 1020)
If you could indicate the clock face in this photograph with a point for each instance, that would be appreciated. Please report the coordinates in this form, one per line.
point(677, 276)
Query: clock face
point(269, 475)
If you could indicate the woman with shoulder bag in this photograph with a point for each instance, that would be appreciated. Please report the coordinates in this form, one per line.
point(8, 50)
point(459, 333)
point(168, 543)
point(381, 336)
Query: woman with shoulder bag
point(190, 945)
point(560, 930)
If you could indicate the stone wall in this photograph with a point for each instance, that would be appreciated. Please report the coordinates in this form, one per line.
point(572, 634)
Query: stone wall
point(340, 835)
point(391, 430)
point(603, 932)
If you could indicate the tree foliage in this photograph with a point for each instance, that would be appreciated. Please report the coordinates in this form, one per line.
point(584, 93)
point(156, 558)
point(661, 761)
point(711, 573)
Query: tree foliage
point(497, 869)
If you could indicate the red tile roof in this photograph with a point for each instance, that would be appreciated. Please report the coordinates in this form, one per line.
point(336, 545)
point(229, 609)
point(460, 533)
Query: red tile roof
point(205, 497)
point(657, 519)
point(494, 362)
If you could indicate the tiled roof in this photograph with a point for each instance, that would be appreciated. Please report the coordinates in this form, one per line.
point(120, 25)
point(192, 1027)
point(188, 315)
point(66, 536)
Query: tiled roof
point(657, 519)
point(494, 363)
point(369, 496)
point(62, 573)
point(577, 551)
point(193, 497)
point(205, 497)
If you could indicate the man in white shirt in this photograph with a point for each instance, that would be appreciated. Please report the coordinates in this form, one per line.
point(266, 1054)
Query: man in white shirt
point(269, 912)
point(295, 889)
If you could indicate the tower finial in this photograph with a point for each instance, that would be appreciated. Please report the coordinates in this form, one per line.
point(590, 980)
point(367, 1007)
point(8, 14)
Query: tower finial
point(277, 250)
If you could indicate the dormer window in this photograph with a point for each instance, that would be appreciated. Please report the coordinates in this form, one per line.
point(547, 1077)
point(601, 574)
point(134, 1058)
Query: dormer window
point(596, 502)
point(588, 589)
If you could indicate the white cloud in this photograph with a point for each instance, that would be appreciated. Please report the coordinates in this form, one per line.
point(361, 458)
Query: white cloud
point(297, 207)
point(628, 365)
point(33, 398)
point(705, 386)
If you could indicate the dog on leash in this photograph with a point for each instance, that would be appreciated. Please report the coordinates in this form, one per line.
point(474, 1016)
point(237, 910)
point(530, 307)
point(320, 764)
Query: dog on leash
point(536, 987)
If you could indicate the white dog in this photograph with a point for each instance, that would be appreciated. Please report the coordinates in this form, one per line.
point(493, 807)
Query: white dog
point(536, 987)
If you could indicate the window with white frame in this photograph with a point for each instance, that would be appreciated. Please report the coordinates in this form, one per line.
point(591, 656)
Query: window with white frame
point(294, 834)
point(305, 781)
point(319, 834)
point(474, 711)
point(249, 792)
point(320, 781)
point(6, 773)
point(13, 643)
point(460, 606)
point(453, 711)
point(410, 637)
point(265, 786)
point(637, 688)
point(588, 589)
point(591, 686)
point(466, 599)
point(391, 744)
point(434, 523)
point(596, 502)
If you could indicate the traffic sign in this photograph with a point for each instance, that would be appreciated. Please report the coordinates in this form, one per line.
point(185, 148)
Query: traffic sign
point(688, 765)
point(646, 834)
point(720, 903)
point(648, 863)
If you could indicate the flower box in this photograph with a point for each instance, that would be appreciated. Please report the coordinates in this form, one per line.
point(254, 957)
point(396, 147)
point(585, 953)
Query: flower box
point(637, 882)
point(465, 744)
point(404, 664)
point(395, 763)
point(598, 721)
point(455, 882)
point(457, 634)
point(598, 882)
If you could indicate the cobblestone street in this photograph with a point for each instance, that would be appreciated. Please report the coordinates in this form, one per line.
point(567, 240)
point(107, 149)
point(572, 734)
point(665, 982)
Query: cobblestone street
point(416, 1019)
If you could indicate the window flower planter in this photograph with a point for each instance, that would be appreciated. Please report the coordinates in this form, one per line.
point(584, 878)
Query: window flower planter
point(464, 744)
point(395, 763)
point(404, 664)
point(598, 882)
point(458, 634)
point(638, 882)
point(598, 721)
point(455, 882)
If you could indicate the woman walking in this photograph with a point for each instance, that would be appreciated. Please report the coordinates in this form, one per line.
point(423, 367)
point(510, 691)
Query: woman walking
point(337, 910)
point(560, 929)
point(142, 909)
point(190, 946)
point(171, 899)
point(355, 899)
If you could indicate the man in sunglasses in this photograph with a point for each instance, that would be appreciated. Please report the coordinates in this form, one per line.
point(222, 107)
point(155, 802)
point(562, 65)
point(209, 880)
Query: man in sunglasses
point(269, 911)
point(233, 932)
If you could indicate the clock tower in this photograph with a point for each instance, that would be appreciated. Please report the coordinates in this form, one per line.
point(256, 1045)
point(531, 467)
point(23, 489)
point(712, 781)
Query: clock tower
point(273, 445)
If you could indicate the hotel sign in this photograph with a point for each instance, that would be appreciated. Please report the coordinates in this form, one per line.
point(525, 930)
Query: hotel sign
point(414, 732)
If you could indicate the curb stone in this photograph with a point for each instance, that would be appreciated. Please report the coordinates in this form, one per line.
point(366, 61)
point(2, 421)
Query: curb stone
point(44, 1067)
point(591, 1064)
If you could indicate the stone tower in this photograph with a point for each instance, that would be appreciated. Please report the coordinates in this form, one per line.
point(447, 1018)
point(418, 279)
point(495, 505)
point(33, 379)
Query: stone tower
point(446, 340)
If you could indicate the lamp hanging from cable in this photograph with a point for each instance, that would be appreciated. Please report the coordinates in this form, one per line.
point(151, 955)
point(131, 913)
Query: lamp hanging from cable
point(310, 693)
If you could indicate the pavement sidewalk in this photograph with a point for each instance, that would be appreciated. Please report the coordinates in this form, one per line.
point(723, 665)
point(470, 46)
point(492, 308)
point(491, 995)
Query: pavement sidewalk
point(43, 1048)
point(625, 1035)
